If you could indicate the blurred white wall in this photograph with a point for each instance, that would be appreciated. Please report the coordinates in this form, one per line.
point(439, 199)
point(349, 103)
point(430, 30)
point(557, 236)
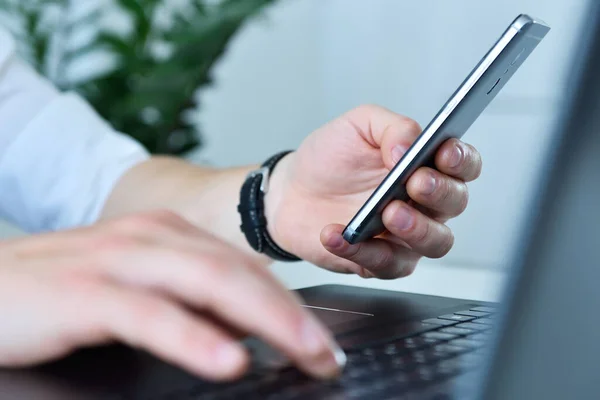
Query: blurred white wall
point(308, 61)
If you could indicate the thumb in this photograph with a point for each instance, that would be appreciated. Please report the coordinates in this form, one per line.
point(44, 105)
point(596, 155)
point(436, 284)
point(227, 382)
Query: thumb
point(393, 146)
point(392, 133)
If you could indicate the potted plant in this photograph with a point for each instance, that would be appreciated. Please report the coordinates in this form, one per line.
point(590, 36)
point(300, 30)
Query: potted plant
point(158, 64)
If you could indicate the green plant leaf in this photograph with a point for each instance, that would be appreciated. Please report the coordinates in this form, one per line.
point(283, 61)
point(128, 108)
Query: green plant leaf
point(115, 44)
point(141, 13)
point(143, 96)
point(91, 18)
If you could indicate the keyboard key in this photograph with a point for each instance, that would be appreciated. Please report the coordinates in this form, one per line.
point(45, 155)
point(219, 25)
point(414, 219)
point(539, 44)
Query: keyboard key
point(439, 321)
point(466, 343)
point(369, 352)
point(358, 392)
point(375, 368)
point(408, 345)
point(353, 358)
point(404, 363)
point(456, 317)
point(424, 374)
point(332, 396)
point(422, 357)
point(470, 325)
point(469, 360)
point(476, 314)
point(439, 335)
point(485, 309)
point(414, 343)
point(373, 388)
point(484, 321)
point(356, 373)
point(458, 331)
point(449, 367)
point(384, 334)
point(393, 349)
point(482, 337)
point(400, 379)
point(448, 349)
point(402, 396)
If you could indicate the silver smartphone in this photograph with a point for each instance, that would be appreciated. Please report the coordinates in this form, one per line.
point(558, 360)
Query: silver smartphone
point(453, 120)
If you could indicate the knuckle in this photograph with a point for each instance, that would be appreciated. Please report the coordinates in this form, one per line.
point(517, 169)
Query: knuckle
point(445, 245)
point(411, 126)
point(421, 232)
point(214, 268)
point(294, 315)
point(383, 260)
point(77, 287)
point(354, 252)
point(114, 242)
point(148, 311)
point(444, 193)
point(464, 199)
point(408, 270)
point(163, 216)
point(476, 161)
point(148, 315)
point(137, 222)
point(478, 167)
point(368, 109)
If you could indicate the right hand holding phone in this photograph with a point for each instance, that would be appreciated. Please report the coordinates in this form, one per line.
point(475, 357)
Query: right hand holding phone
point(322, 185)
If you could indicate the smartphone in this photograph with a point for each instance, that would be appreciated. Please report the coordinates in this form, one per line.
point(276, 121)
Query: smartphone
point(452, 121)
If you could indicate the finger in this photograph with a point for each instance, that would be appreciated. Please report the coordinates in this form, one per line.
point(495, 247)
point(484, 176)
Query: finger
point(424, 235)
point(381, 258)
point(446, 196)
point(248, 298)
point(384, 129)
point(153, 227)
point(459, 159)
point(158, 325)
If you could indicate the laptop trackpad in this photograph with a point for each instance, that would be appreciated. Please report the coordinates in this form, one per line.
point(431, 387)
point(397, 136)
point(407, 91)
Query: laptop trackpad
point(332, 317)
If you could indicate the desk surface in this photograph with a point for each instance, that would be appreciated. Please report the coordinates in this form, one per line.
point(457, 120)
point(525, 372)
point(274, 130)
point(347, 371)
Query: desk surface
point(432, 278)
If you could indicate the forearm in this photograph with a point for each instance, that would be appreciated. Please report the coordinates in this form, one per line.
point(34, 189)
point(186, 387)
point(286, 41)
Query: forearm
point(206, 197)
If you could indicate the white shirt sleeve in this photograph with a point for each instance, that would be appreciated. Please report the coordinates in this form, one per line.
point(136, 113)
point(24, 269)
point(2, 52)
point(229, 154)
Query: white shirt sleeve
point(59, 160)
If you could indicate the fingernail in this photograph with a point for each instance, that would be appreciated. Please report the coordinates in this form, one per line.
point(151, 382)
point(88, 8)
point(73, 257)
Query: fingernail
point(335, 241)
point(397, 152)
point(326, 357)
point(403, 218)
point(313, 338)
point(229, 355)
point(457, 156)
point(339, 356)
point(429, 185)
point(333, 365)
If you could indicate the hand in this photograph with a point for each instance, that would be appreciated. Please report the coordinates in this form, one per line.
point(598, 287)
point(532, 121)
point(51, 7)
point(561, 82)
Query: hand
point(315, 192)
point(135, 280)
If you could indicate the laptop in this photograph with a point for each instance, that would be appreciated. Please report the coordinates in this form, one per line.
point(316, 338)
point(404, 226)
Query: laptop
point(542, 342)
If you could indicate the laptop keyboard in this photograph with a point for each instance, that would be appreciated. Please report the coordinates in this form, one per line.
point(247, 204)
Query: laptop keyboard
point(436, 363)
